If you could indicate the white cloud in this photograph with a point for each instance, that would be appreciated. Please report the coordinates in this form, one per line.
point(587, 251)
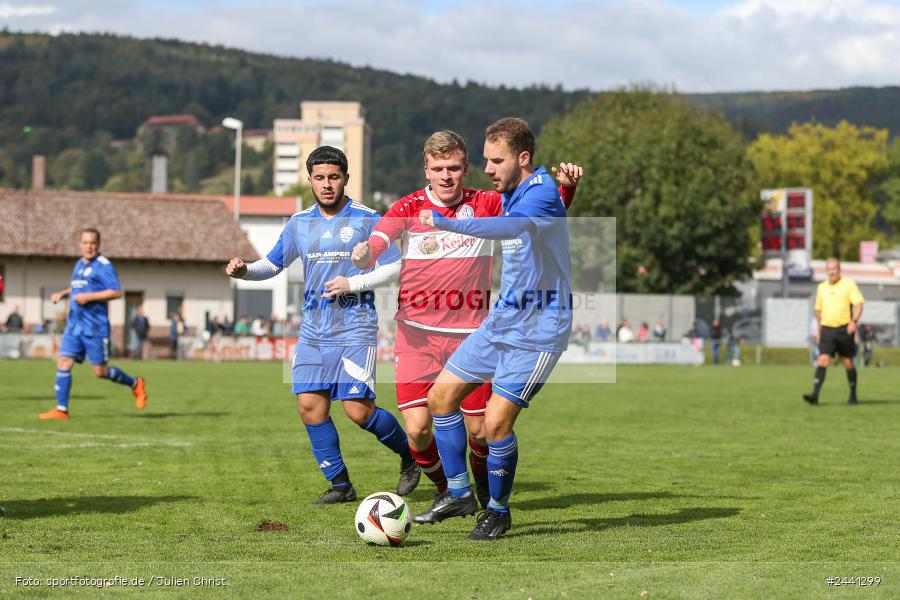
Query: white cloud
point(748, 45)
point(12, 11)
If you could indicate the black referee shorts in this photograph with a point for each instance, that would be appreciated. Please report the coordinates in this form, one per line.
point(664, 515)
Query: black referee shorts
point(837, 340)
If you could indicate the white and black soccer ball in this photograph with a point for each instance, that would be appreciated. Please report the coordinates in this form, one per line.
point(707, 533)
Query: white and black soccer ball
point(383, 519)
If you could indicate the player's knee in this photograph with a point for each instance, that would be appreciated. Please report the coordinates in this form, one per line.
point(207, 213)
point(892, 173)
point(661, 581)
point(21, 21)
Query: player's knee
point(99, 371)
point(438, 399)
point(359, 413)
point(497, 429)
point(419, 432)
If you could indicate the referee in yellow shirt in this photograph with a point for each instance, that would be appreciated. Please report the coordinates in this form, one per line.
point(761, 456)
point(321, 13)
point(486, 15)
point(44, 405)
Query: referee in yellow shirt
point(839, 305)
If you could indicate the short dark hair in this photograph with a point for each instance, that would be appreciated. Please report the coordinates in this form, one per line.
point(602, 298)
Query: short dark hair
point(514, 132)
point(91, 230)
point(326, 155)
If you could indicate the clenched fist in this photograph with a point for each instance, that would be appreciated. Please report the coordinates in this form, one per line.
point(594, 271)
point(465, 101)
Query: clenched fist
point(236, 268)
point(361, 255)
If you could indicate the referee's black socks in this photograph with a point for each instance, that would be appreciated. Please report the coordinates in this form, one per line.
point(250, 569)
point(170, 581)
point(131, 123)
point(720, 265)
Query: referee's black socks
point(851, 380)
point(820, 378)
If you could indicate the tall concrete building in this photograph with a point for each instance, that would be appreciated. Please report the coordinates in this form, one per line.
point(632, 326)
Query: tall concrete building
point(339, 124)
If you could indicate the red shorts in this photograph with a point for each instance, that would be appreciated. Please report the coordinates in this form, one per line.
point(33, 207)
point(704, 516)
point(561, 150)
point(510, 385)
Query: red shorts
point(419, 355)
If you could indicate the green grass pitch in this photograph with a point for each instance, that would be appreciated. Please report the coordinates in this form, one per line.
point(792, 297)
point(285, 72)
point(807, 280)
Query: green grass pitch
point(674, 482)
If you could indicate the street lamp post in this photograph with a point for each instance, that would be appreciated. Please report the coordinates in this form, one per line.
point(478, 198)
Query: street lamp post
point(238, 126)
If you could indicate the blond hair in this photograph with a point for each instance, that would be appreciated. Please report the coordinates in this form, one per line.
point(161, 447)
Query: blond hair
point(442, 143)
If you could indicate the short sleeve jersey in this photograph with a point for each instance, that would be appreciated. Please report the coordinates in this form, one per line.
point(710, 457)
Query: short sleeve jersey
point(324, 246)
point(835, 301)
point(96, 275)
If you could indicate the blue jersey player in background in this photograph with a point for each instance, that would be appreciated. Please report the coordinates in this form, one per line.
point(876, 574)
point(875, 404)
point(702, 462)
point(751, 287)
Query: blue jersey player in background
point(335, 354)
point(94, 283)
point(528, 329)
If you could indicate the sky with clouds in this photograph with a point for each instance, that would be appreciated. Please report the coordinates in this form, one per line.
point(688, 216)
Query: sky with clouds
point(693, 45)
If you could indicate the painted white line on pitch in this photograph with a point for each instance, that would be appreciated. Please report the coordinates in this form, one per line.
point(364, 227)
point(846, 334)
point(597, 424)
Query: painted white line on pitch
point(135, 439)
point(173, 443)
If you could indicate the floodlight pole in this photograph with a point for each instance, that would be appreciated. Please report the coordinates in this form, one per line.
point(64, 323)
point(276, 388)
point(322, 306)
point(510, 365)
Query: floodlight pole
point(238, 126)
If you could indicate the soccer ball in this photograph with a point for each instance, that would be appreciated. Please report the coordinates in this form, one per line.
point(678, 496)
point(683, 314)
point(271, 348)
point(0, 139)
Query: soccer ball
point(382, 519)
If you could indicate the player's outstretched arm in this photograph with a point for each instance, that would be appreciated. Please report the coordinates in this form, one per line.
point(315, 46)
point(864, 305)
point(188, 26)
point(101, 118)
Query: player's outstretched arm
point(489, 228)
point(379, 276)
point(100, 296)
point(60, 295)
point(255, 271)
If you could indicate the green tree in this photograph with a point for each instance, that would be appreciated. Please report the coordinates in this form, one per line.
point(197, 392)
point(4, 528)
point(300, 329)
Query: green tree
point(676, 180)
point(887, 194)
point(67, 170)
point(839, 164)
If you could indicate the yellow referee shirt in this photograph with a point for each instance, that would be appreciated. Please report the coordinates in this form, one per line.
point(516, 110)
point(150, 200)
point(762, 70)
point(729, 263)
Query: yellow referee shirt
point(835, 301)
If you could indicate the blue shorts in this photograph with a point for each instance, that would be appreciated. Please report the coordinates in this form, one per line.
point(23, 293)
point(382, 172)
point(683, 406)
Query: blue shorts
point(344, 372)
point(518, 375)
point(77, 346)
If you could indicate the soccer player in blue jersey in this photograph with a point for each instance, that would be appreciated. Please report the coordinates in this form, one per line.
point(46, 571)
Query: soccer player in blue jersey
point(520, 342)
point(94, 283)
point(335, 354)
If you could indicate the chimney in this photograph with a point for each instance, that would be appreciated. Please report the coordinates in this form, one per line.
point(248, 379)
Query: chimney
point(158, 174)
point(38, 173)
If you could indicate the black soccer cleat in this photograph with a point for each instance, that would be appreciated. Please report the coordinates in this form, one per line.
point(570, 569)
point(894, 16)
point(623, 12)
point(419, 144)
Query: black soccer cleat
point(813, 400)
point(334, 495)
point(490, 525)
point(446, 506)
point(410, 473)
point(852, 401)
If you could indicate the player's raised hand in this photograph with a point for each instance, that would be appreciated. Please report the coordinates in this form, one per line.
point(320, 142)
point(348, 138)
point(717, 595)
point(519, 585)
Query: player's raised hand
point(426, 217)
point(361, 255)
point(567, 174)
point(236, 268)
point(337, 286)
point(56, 297)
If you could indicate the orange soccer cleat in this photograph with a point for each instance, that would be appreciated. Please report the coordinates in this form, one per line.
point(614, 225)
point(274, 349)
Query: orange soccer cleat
point(140, 394)
point(54, 413)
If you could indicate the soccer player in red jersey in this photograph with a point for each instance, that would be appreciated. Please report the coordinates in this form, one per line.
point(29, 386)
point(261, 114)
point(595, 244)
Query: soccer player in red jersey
point(445, 282)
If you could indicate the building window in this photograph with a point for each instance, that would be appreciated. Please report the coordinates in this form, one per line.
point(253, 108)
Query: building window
point(333, 136)
point(174, 304)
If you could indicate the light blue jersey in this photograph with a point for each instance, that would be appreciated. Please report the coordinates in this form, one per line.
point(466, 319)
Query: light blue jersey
point(534, 311)
point(324, 246)
point(91, 319)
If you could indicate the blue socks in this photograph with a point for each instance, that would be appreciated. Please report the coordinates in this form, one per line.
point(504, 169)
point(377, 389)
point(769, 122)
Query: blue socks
point(117, 375)
point(62, 387)
point(452, 440)
point(327, 449)
point(503, 455)
point(385, 427)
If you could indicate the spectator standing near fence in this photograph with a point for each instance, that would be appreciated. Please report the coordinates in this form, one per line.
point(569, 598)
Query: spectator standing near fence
point(839, 306)
point(715, 339)
point(141, 326)
point(659, 331)
point(14, 323)
point(625, 335)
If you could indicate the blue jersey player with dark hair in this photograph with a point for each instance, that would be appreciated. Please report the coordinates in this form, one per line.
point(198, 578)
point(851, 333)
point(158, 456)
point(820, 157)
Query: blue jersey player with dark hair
point(94, 283)
point(519, 343)
point(336, 350)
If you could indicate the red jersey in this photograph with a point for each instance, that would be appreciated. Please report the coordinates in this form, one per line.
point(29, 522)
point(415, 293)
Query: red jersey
point(445, 278)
